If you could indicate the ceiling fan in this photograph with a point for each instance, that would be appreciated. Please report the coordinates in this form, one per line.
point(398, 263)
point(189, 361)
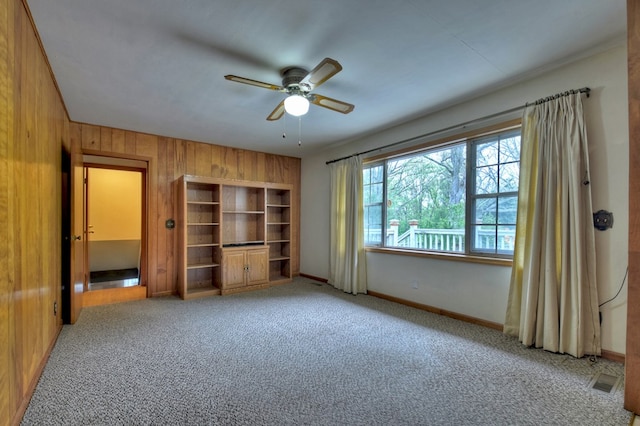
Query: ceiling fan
point(297, 83)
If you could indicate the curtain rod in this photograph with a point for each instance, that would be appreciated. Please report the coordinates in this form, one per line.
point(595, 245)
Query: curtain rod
point(474, 121)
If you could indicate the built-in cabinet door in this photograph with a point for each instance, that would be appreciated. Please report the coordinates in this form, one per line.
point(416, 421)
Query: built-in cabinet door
point(258, 262)
point(233, 269)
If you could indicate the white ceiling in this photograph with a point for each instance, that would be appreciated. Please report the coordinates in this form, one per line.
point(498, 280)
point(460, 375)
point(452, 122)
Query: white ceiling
point(158, 66)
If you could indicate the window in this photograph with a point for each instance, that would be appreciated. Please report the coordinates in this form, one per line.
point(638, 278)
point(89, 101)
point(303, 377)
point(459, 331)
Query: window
point(373, 194)
point(455, 198)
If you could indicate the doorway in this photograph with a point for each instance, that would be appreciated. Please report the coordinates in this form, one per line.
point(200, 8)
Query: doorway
point(114, 211)
point(114, 227)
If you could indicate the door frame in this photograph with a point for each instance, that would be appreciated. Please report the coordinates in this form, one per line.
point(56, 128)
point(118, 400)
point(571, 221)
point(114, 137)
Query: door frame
point(142, 273)
point(67, 241)
point(127, 163)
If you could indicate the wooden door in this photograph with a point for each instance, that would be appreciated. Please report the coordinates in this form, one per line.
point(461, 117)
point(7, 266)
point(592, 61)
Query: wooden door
point(233, 269)
point(78, 243)
point(258, 261)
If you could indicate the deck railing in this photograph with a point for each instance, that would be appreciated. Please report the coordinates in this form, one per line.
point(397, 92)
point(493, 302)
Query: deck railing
point(448, 240)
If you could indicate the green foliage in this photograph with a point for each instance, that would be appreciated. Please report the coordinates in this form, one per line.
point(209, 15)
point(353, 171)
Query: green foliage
point(429, 188)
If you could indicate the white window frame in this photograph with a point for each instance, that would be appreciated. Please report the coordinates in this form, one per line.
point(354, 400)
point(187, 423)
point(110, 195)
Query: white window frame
point(471, 139)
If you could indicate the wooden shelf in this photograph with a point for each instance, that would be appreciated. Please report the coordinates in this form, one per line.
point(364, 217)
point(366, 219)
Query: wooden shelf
point(244, 212)
point(199, 237)
point(279, 279)
point(243, 243)
point(202, 292)
point(234, 235)
point(202, 265)
point(279, 234)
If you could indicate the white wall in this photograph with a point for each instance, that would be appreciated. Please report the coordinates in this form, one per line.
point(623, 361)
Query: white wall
point(481, 290)
point(115, 217)
point(114, 204)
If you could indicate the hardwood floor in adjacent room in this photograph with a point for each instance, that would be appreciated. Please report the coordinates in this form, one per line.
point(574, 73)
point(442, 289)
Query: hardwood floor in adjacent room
point(118, 292)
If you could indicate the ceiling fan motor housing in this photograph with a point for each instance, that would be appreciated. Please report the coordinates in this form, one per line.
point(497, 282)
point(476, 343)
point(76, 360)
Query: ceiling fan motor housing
point(291, 78)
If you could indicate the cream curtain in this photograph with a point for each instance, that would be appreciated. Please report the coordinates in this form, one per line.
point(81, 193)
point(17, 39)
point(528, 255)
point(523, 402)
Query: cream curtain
point(347, 258)
point(553, 300)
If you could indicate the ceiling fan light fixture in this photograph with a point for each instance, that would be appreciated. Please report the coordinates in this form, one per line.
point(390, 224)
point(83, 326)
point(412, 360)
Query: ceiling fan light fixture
point(296, 105)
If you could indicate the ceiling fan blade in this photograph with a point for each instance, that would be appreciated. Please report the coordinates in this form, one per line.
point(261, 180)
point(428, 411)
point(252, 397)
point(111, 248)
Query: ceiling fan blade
point(277, 113)
point(332, 104)
point(326, 69)
point(253, 82)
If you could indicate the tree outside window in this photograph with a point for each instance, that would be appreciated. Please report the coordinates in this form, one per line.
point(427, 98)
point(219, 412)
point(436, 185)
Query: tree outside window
point(461, 197)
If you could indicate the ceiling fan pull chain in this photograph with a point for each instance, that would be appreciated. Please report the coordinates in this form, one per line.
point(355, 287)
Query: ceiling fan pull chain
point(284, 127)
point(299, 131)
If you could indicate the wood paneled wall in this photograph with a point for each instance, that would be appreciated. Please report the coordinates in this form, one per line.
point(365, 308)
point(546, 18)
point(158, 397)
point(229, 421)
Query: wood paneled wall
point(33, 129)
point(168, 159)
point(632, 356)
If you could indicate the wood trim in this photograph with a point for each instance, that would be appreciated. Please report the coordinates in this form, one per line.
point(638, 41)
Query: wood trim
point(125, 157)
point(163, 293)
point(472, 134)
point(434, 310)
point(113, 295)
point(613, 356)
point(237, 182)
point(454, 257)
point(312, 277)
point(632, 366)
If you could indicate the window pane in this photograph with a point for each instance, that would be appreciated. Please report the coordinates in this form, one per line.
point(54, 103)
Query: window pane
point(509, 176)
point(485, 211)
point(376, 193)
point(373, 190)
point(506, 238)
point(373, 224)
point(372, 194)
point(374, 215)
point(510, 149)
point(507, 209)
point(487, 180)
point(487, 153)
point(484, 238)
point(426, 200)
point(376, 173)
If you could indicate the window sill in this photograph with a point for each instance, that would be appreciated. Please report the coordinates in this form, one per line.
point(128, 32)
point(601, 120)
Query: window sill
point(455, 257)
